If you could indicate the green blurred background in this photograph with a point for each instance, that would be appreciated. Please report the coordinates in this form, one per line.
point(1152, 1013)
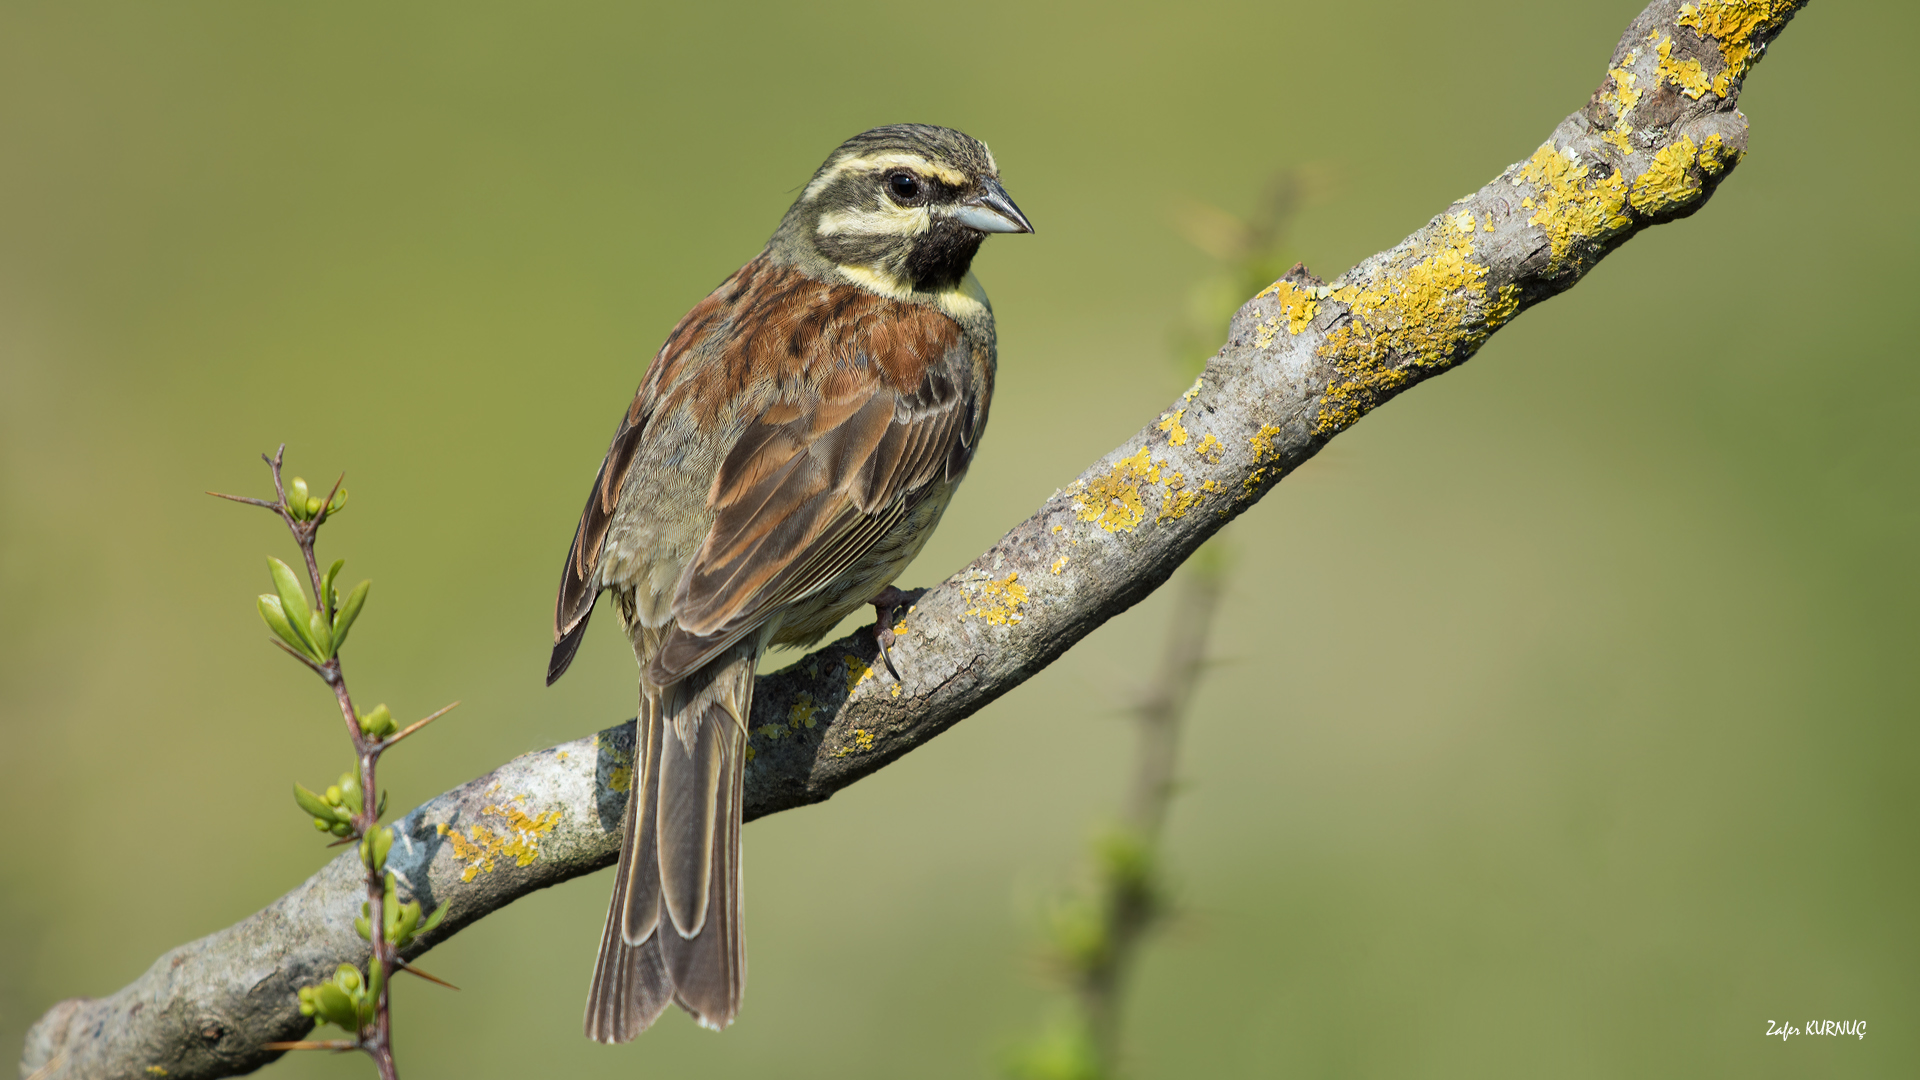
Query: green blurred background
point(1565, 718)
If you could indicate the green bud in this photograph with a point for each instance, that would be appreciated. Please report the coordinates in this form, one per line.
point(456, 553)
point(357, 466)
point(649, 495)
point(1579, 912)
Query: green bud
point(306, 1001)
point(313, 506)
point(342, 829)
point(376, 975)
point(350, 789)
point(349, 611)
point(334, 796)
point(363, 928)
point(323, 826)
point(313, 804)
point(378, 724)
point(402, 930)
point(389, 903)
point(379, 841)
point(297, 495)
point(293, 602)
point(276, 620)
point(347, 977)
point(334, 1006)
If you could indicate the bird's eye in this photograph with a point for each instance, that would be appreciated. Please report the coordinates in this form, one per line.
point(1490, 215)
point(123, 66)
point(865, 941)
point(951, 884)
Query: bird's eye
point(905, 186)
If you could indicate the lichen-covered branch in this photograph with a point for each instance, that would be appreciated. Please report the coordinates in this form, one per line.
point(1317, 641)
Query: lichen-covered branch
point(1303, 362)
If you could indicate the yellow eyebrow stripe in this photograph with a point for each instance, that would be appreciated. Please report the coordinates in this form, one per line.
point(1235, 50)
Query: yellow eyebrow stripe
point(875, 162)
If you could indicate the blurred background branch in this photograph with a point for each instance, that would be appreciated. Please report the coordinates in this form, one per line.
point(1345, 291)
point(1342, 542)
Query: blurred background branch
point(1094, 939)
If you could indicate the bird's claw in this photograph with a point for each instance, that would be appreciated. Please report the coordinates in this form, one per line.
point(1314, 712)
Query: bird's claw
point(884, 606)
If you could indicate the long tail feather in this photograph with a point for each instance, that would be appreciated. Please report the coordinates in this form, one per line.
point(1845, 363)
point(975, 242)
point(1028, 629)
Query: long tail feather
point(631, 986)
point(673, 927)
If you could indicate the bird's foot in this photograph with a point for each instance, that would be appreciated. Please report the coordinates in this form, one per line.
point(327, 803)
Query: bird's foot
point(884, 605)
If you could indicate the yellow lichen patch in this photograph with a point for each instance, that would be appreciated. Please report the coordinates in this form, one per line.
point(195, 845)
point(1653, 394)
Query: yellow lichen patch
point(1059, 564)
point(481, 847)
point(1669, 182)
point(1735, 25)
point(1262, 441)
point(1431, 310)
point(858, 671)
point(896, 690)
point(1210, 448)
point(999, 601)
point(770, 731)
point(862, 742)
point(1574, 208)
point(1297, 303)
point(1620, 141)
point(1177, 503)
point(803, 711)
point(155, 1070)
point(1625, 94)
point(1113, 501)
point(1194, 389)
point(1176, 435)
point(1686, 74)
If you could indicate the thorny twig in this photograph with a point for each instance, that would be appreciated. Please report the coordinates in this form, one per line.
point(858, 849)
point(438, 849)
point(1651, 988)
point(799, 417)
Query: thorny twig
point(375, 1039)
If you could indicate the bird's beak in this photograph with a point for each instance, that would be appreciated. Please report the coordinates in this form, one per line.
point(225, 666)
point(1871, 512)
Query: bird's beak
point(991, 211)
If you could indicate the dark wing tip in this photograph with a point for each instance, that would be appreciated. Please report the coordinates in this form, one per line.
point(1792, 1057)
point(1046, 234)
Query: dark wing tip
point(564, 649)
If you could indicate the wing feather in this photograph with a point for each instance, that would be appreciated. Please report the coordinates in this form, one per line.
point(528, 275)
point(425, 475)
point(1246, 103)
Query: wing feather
point(810, 488)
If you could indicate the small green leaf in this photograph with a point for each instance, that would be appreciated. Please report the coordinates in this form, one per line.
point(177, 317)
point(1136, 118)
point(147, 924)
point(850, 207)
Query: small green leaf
point(329, 596)
point(349, 611)
point(339, 502)
point(433, 920)
point(362, 927)
point(276, 620)
point(322, 636)
point(297, 496)
point(313, 804)
point(293, 602)
point(314, 503)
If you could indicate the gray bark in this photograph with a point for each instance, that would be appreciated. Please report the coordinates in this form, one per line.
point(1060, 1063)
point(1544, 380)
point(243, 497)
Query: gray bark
point(1302, 362)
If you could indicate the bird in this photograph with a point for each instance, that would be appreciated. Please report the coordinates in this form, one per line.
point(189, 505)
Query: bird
point(792, 446)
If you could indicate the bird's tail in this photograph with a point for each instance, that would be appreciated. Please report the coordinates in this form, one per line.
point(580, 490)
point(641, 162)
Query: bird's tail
point(673, 929)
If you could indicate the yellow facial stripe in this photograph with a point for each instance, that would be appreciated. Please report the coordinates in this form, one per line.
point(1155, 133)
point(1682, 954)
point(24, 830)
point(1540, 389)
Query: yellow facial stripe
point(876, 162)
point(888, 220)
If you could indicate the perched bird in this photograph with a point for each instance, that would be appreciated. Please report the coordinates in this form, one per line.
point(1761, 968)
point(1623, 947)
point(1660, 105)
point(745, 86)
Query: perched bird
point(790, 450)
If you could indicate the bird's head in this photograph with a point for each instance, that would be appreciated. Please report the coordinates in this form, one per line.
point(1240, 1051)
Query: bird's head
point(903, 208)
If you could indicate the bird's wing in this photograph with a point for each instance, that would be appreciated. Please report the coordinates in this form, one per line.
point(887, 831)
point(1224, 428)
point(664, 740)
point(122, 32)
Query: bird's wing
point(879, 407)
point(580, 580)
